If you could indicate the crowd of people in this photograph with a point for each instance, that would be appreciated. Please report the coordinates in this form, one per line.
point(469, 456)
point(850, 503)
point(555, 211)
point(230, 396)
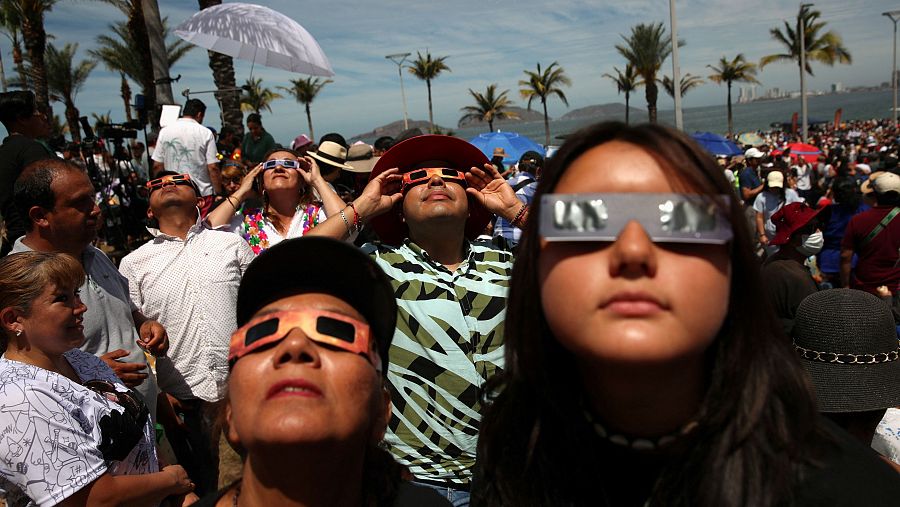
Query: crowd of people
point(628, 322)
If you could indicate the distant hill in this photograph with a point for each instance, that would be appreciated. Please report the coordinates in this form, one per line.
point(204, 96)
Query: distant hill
point(392, 129)
point(599, 112)
point(524, 116)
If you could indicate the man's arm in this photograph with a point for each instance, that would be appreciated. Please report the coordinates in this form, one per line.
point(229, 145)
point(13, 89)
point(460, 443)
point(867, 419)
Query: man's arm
point(153, 335)
point(846, 259)
point(379, 196)
point(157, 168)
point(215, 177)
point(748, 193)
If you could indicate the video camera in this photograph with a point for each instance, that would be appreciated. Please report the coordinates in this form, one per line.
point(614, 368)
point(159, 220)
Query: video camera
point(119, 131)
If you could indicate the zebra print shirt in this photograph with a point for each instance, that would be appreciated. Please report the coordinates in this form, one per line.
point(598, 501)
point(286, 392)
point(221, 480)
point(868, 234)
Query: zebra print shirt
point(448, 342)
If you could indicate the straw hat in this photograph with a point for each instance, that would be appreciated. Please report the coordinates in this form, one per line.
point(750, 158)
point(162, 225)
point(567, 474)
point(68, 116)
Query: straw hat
point(332, 154)
point(361, 158)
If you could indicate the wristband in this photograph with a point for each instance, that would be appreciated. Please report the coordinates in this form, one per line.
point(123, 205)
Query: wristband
point(516, 221)
point(356, 218)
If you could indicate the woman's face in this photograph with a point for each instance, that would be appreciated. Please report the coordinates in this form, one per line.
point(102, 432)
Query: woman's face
point(631, 300)
point(298, 391)
point(55, 323)
point(280, 177)
point(231, 181)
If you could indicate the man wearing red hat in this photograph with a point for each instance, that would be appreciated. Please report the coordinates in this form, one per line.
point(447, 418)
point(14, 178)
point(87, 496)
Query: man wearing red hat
point(784, 275)
point(428, 200)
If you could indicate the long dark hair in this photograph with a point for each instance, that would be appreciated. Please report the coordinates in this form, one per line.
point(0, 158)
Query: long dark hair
point(757, 418)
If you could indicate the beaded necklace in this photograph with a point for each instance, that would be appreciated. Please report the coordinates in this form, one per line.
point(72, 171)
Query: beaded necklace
point(254, 220)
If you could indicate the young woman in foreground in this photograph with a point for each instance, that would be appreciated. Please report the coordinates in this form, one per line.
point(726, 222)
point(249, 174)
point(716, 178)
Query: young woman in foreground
point(643, 366)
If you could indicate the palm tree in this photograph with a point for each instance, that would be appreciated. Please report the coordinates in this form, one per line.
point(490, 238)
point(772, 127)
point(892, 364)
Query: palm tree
point(827, 48)
point(65, 78)
point(427, 68)
point(688, 82)
point(305, 91)
point(31, 15)
point(730, 71)
point(488, 107)
point(626, 82)
point(257, 97)
point(646, 49)
point(101, 119)
point(544, 84)
point(12, 28)
point(222, 67)
point(121, 53)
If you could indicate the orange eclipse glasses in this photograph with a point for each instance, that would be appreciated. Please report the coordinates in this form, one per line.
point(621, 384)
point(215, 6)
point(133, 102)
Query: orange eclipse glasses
point(419, 176)
point(320, 326)
point(171, 179)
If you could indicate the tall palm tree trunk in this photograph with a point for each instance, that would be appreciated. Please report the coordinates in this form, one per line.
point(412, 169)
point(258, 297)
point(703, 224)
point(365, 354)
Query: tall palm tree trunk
point(730, 121)
point(2, 74)
point(222, 67)
point(546, 123)
point(309, 121)
point(19, 62)
point(126, 97)
point(72, 120)
point(491, 124)
point(138, 29)
point(651, 92)
point(430, 114)
point(159, 57)
point(627, 108)
point(35, 39)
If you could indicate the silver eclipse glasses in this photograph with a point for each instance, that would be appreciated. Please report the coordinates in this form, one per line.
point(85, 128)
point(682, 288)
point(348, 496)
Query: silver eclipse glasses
point(667, 218)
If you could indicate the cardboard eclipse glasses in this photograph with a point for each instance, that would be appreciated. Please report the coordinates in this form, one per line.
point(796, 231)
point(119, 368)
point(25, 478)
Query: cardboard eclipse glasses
point(419, 176)
point(667, 218)
point(320, 326)
point(171, 179)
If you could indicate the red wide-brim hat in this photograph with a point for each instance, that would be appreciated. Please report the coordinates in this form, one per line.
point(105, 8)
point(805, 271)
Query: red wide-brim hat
point(406, 156)
point(791, 218)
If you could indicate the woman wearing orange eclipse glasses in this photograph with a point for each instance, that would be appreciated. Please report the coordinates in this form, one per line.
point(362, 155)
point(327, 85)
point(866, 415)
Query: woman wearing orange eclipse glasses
point(307, 406)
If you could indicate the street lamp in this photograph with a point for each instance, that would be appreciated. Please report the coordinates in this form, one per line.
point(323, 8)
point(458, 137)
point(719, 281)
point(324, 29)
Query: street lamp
point(676, 72)
point(894, 16)
point(802, 35)
point(399, 58)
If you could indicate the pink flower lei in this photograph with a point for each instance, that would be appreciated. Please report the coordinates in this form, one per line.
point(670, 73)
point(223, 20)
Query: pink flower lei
point(254, 219)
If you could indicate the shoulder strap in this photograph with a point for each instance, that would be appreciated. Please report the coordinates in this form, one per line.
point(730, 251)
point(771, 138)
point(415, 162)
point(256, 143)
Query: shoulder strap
point(881, 226)
point(520, 185)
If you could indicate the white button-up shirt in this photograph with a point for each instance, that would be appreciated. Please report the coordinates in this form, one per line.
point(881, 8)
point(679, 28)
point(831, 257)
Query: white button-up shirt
point(190, 286)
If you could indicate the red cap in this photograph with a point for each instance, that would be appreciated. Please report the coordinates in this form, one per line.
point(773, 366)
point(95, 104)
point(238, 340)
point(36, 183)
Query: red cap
point(406, 155)
point(791, 218)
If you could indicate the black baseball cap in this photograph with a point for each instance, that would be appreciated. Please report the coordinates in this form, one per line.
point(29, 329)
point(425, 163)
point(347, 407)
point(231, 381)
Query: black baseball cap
point(316, 264)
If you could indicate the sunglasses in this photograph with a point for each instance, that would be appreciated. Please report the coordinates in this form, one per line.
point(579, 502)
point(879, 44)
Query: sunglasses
point(172, 179)
point(320, 326)
point(667, 218)
point(420, 176)
point(128, 400)
point(283, 162)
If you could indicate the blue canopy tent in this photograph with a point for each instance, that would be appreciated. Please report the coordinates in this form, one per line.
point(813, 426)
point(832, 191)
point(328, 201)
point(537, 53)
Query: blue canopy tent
point(716, 144)
point(514, 144)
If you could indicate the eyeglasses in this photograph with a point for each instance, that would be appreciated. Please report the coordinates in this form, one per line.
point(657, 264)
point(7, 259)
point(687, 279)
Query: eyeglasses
point(420, 176)
point(283, 162)
point(319, 326)
point(667, 218)
point(172, 179)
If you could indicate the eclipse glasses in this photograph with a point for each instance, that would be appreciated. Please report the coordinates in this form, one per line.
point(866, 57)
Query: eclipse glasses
point(287, 163)
point(320, 326)
point(667, 218)
point(420, 176)
point(172, 179)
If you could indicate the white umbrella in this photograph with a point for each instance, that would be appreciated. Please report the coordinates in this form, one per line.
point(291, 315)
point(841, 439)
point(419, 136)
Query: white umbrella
point(258, 34)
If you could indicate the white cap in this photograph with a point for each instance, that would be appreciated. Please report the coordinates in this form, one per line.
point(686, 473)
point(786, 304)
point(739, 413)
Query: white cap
point(775, 179)
point(754, 153)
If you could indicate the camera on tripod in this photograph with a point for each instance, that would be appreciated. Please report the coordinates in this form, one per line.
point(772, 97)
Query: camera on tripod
point(119, 131)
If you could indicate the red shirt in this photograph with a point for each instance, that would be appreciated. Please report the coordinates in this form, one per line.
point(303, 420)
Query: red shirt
point(878, 260)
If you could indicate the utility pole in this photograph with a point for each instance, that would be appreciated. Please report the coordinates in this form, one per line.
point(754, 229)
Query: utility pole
point(676, 73)
point(894, 16)
point(802, 34)
point(399, 58)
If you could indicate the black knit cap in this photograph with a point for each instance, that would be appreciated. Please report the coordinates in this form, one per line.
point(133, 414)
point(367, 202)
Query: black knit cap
point(316, 264)
point(848, 343)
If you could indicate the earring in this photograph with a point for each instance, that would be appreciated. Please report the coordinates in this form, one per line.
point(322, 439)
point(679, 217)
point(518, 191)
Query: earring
point(18, 333)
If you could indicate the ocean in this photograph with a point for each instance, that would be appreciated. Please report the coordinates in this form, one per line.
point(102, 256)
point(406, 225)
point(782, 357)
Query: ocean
point(747, 117)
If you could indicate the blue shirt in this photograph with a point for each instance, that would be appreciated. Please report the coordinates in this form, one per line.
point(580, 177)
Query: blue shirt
point(502, 227)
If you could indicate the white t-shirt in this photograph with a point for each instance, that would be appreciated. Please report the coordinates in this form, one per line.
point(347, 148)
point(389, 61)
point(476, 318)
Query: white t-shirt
point(50, 432)
point(804, 176)
point(187, 147)
point(768, 203)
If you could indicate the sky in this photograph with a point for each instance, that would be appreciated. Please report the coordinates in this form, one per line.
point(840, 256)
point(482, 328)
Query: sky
point(486, 42)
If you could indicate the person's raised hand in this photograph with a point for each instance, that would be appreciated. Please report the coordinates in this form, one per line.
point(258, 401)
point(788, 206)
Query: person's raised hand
point(380, 194)
point(492, 191)
point(181, 483)
point(310, 171)
point(247, 182)
point(129, 373)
